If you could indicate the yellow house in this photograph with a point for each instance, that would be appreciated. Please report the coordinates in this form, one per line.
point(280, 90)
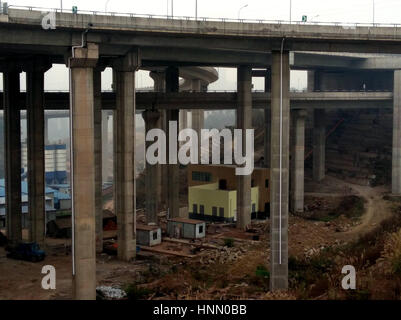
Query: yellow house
point(212, 193)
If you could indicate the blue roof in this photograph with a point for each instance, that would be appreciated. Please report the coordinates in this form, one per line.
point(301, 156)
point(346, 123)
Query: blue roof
point(62, 196)
point(56, 147)
point(24, 188)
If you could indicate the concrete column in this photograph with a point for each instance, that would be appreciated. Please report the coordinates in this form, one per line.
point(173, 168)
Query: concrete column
point(124, 157)
point(297, 161)
point(197, 115)
point(279, 172)
point(153, 177)
point(396, 158)
point(97, 117)
point(83, 169)
point(319, 144)
point(267, 112)
point(159, 79)
point(173, 192)
point(105, 146)
point(46, 130)
point(36, 148)
point(311, 80)
point(244, 122)
point(12, 137)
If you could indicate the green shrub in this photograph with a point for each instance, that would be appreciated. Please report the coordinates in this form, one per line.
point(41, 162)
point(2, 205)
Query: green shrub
point(136, 293)
point(229, 242)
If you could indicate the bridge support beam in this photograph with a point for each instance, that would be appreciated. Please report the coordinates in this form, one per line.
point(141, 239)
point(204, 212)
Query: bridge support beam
point(36, 148)
point(396, 157)
point(279, 172)
point(12, 137)
point(97, 116)
point(173, 201)
point(297, 161)
point(319, 144)
point(244, 122)
point(153, 177)
point(267, 116)
point(124, 156)
point(105, 147)
point(159, 79)
point(197, 115)
point(83, 170)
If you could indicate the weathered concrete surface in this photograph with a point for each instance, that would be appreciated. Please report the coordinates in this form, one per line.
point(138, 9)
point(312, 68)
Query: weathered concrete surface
point(36, 148)
point(244, 122)
point(159, 79)
point(97, 118)
point(173, 192)
point(124, 157)
point(83, 170)
point(319, 145)
point(297, 161)
point(153, 172)
point(267, 124)
point(241, 36)
point(280, 108)
point(12, 137)
point(396, 158)
point(228, 100)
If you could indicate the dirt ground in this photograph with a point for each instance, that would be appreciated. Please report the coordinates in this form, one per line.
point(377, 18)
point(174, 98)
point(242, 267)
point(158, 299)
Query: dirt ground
point(229, 264)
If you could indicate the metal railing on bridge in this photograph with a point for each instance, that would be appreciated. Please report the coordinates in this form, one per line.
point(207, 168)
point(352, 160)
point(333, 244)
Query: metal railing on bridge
point(207, 19)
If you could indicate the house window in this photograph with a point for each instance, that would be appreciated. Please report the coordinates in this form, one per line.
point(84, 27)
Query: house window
point(221, 212)
point(253, 207)
point(195, 208)
point(252, 183)
point(202, 209)
point(200, 229)
point(214, 211)
point(223, 184)
point(201, 176)
point(267, 183)
point(154, 235)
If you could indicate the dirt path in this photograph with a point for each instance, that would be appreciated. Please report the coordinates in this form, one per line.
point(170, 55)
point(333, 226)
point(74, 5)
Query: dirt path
point(376, 209)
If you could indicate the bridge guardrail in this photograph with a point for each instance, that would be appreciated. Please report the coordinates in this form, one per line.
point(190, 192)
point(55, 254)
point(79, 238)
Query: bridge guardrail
point(206, 19)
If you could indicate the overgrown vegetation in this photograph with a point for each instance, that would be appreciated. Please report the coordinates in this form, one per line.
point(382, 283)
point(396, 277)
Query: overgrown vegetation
point(229, 242)
point(350, 206)
point(135, 292)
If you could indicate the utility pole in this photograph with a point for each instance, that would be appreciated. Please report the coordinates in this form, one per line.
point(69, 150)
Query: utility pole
point(290, 9)
point(172, 9)
point(196, 9)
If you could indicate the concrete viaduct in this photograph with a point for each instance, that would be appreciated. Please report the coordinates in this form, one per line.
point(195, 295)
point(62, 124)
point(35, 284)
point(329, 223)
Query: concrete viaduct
point(87, 43)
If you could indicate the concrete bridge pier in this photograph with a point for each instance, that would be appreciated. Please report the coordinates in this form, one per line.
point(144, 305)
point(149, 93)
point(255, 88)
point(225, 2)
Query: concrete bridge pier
point(124, 155)
point(153, 176)
point(12, 128)
point(173, 192)
point(267, 117)
point(197, 115)
point(319, 144)
point(279, 171)
point(297, 161)
point(159, 79)
point(396, 156)
point(35, 71)
point(244, 122)
point(81, 66)
point(97, 117)
point(105, 147)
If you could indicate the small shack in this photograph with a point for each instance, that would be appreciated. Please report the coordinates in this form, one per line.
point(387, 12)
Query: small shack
point(186, 228)
point(148, 235)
